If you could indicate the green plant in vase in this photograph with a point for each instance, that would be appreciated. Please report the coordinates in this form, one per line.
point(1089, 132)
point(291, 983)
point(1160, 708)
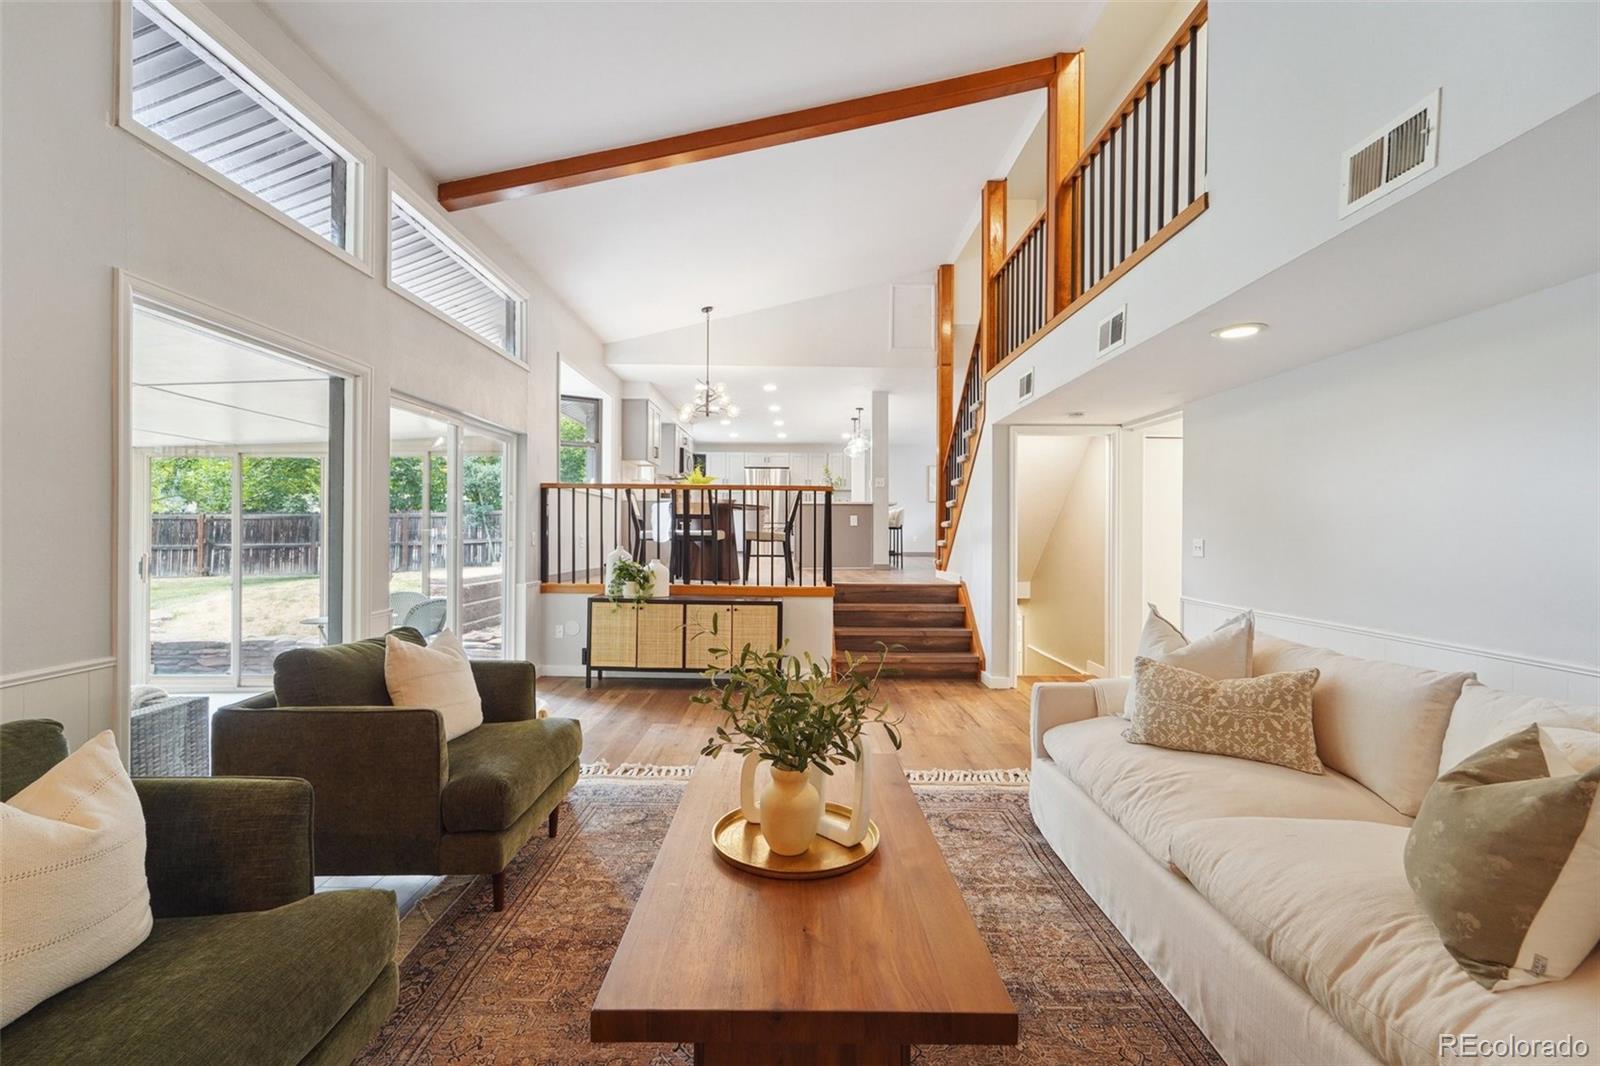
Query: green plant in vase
point(625, 572)
point(801, 718)
point(698, 476)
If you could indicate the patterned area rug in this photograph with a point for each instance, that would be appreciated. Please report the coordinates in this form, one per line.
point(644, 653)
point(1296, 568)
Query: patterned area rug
point(480, 987)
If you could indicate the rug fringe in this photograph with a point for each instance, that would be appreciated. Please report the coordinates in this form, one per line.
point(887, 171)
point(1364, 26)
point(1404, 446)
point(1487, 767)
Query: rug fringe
point(634, 769)
point(1013, 776)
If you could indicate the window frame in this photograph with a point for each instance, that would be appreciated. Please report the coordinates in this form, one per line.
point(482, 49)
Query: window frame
point(437, 228)
point(210, 33)
point(594, 446)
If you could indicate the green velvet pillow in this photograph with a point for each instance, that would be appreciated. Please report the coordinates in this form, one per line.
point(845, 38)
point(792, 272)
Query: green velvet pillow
point(339, 675)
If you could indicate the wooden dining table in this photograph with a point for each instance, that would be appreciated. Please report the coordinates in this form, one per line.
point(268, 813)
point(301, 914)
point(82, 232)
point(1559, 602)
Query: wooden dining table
point(713, 537)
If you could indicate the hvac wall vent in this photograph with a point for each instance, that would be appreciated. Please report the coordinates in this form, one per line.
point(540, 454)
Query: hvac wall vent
point(1025, 386)
point(1113, 332)
point(1404, 149)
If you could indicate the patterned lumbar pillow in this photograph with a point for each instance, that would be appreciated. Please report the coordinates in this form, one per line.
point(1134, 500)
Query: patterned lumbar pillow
point(1505, 859)
point(1266, 719)
point(1223, 653)
point(73, 894)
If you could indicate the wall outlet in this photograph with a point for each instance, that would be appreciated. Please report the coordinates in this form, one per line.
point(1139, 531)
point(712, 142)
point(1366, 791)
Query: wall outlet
point(855, 520)
point(880, 482)
point(1198, 548)
point(556, 631)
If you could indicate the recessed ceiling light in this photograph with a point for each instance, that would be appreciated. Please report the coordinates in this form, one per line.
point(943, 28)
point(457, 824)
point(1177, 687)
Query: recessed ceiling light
point(774, 407)
point(1074, 414)
point(733, 434)
point(777, 421)
point(727, 421)
point(844, 436)
point(782, 436)
point(1239, 330)
point(769, 387)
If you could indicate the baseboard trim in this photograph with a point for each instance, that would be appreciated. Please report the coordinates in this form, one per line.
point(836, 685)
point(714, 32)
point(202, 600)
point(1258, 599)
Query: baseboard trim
point(1058, 660)
point(1512, 671)
point(51, 673)
point(996, 680)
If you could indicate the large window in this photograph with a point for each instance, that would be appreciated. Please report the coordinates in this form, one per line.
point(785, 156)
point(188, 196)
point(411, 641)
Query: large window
point(580, 438)
point(208, 108)
point(443, 276)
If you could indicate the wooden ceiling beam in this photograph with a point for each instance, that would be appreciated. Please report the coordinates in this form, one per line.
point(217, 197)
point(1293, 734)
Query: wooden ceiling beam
point(748, 136)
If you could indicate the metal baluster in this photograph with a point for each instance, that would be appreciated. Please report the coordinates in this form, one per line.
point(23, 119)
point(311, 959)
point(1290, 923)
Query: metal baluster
point(1177, 133)
point(544, 533)
point(1161, 150)
point(1194, 95)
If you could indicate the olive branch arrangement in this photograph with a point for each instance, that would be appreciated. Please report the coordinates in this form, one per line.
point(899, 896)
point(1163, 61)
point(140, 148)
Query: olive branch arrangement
point(792, 711)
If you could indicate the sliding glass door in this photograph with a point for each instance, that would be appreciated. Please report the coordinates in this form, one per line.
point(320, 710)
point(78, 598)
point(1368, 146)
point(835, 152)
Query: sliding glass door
point(451, 516)
point(234, 566)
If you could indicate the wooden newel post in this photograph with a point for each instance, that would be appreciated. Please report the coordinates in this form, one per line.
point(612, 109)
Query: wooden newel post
point(992, 236)
point(1063, 145)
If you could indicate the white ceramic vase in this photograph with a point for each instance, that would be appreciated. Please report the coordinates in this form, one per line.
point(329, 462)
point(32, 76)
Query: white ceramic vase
point(791, 808)
point(663, 584)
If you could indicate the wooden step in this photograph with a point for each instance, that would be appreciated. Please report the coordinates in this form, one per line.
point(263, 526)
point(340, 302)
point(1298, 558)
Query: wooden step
point(866, 639)
point(927, 664)
point(896, 592)
point(884, 615)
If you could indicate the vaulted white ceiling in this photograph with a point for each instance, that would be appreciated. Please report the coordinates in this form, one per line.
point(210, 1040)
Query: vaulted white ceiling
point(475, 87)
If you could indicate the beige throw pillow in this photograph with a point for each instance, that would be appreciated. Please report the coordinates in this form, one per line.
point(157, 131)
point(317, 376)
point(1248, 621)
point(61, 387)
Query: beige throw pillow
point(1223, 653)
point(1265, 719)
point(1381, 723)
point(438, 676)
point(1505, 860)
point(73, 894)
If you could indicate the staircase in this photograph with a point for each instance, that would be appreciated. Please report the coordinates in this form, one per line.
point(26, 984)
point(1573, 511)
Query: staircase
point(959, 453)
point(925, 625)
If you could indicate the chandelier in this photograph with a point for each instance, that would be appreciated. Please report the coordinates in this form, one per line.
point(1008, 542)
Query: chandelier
point(859, 443)
point(710, 400)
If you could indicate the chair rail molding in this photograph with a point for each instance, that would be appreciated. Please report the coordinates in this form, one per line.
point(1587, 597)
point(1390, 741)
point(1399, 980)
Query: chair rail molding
point(1511, 671)
point(80, 695)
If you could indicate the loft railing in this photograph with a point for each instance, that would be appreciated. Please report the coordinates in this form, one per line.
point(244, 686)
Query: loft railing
point(965, 432)
point(1022, 290)
point(707, 535)
point(1144, 177)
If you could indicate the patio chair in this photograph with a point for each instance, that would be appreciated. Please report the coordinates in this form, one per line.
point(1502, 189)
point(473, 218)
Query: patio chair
point(425, 614)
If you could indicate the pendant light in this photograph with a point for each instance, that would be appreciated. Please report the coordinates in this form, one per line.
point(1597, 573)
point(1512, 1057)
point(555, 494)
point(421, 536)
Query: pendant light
point(710, 400)
point(859, 443)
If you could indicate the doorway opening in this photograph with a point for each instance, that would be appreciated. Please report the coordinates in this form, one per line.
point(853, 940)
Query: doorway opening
point(1063, 522)
point(238, 503)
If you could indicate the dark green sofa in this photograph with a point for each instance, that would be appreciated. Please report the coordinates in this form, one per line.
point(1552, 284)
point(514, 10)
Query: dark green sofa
point(244, 964)
point(392, 796)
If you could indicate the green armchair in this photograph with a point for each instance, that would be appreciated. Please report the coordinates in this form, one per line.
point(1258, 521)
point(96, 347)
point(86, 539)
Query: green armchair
point(244, 964)
point(392, 797)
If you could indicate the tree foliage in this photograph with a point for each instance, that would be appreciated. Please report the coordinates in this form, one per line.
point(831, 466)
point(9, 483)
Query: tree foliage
point(574, 461)
point(269, 484)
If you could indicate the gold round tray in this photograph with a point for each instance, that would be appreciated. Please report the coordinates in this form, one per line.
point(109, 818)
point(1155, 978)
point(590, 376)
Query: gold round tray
point(741, 844)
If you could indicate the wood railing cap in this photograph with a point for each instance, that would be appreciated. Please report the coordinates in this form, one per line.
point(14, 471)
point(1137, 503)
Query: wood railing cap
point(678, 486)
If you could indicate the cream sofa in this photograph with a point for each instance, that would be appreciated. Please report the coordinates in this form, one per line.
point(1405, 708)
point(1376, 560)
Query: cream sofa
point(1274, 904)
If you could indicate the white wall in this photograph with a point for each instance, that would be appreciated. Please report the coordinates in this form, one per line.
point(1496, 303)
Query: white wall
point(1124, 41)
point(84, 198)
point(1444, 484)
point(1046, 464)
point(908, 487)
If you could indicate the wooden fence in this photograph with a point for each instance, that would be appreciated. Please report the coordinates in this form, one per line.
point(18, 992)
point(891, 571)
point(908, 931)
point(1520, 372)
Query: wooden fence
point(290, 545)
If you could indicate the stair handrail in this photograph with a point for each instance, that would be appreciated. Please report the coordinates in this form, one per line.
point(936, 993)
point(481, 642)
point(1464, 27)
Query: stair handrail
point(960, 451)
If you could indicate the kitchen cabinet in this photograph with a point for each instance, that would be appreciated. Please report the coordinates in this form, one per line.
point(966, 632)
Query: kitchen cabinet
point(641, 433)
point(677, 450)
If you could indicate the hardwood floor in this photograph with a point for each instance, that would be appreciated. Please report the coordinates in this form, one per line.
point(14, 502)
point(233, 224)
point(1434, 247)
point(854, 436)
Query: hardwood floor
point(949, 724)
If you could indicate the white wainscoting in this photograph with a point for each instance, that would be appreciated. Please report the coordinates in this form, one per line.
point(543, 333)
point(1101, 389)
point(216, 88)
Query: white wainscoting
point(1515, 673)
point(78, 695)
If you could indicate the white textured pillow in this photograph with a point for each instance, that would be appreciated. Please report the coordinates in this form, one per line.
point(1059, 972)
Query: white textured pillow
point(438, 677)
point(73, 894)
point(1221, 655)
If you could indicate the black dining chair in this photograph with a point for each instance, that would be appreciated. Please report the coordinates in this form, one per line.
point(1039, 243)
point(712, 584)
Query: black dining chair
point(778, 538)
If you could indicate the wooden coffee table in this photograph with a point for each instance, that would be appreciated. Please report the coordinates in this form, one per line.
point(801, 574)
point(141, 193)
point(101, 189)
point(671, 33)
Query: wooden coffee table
point(850, 970)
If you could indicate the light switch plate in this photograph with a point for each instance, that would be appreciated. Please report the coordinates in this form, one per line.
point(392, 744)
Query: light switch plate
point(1198, 548)
point(855, 520)
point(880, 482)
